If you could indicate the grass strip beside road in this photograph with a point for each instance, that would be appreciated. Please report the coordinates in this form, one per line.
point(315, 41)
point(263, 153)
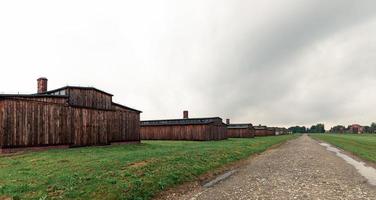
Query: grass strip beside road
point(120, 172)
point(363, 145)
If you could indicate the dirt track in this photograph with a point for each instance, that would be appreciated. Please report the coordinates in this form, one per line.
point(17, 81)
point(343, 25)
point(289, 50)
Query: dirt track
point(299, 169)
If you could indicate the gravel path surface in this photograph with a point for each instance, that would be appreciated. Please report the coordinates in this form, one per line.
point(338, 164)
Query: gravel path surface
point(299, 169)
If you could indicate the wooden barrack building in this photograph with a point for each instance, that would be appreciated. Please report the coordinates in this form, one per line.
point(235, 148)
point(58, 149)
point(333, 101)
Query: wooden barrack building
point(68, 116)
point(280, 131)
point(263, 131)
point(196, 129)
point(245, 130)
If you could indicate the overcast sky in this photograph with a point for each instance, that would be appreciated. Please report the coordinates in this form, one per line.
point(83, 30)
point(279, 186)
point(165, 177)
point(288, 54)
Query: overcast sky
point(279, 63)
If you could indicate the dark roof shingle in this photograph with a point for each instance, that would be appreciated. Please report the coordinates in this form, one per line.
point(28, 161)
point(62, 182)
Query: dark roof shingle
point(77, 87)
point(190, 121)
point(238, 126)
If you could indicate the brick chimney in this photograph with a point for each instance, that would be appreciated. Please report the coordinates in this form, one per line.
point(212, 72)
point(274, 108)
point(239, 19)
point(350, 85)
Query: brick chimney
point(42, 85)
point(227, 121)
point(185, 114)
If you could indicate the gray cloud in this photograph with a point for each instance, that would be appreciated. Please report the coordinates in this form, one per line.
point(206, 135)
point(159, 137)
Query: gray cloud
point(265, 72)
point(271, 62)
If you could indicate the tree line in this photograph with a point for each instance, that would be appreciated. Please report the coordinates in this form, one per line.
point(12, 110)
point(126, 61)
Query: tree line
point(343, 129)
point(320, 128)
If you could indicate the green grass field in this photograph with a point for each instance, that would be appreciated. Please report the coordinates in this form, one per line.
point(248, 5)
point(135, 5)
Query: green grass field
point(119, 172)
point(363, 145)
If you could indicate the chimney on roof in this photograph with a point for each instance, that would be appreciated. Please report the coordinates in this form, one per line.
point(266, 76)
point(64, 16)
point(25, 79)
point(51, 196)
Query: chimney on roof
point(185, 114)
point(42, 85)
point(227, 121)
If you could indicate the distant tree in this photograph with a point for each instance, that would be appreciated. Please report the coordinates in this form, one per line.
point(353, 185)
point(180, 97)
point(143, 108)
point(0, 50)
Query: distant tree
point(338, 129)
point(318, 128)
point(298, 129)
point(367, 129)
point(373, 127)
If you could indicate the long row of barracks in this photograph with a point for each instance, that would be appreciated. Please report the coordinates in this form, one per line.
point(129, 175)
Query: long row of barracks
point(74, 116)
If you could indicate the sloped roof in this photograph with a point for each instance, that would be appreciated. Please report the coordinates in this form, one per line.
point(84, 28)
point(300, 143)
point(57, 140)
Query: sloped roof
point(260, 127)
point(189, 121)
point(238, 126)
point(77, 87)
point(126, 107)
point(31, 96)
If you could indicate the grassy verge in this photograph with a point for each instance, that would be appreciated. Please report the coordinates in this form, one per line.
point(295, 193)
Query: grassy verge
point(119, 172)
point(363, 145)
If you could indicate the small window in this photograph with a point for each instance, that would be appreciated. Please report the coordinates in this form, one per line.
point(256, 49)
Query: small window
point(61, 92)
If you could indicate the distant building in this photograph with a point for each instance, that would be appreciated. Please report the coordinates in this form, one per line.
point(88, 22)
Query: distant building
point(356, 129)
point(243, 130)
point(271, 131)
point(263, 131)
point(281, 131)
point(197, 129)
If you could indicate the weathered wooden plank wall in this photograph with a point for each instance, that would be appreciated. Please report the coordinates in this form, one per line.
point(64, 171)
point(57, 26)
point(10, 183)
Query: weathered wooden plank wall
point(183, 132)
point(126, 126)
point(264, 132)
point(1, 123)
point(50, 99)
point(89, 127)
point(240, 133)
point(89, 99)
point(25, 123)
point(28, 123)
point(218, 132)
point(259, 133)
point(173, 132)
point(271, 132)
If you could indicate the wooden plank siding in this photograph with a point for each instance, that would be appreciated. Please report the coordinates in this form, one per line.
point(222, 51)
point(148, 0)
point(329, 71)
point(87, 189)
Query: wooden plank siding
point(184, 132)
point(32, 123)
point(2, 127)
point(271, 131)
point(49, 99)
point(260, 133)
point(264, 132)
point(218, 131)
point(125, 126)
point(240, 133)
point(90, 127)
point(89, 98)
point(58, 100)
point(29, 123)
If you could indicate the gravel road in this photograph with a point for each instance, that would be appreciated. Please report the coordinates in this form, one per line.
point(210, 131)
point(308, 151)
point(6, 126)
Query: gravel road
point(298, 169)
